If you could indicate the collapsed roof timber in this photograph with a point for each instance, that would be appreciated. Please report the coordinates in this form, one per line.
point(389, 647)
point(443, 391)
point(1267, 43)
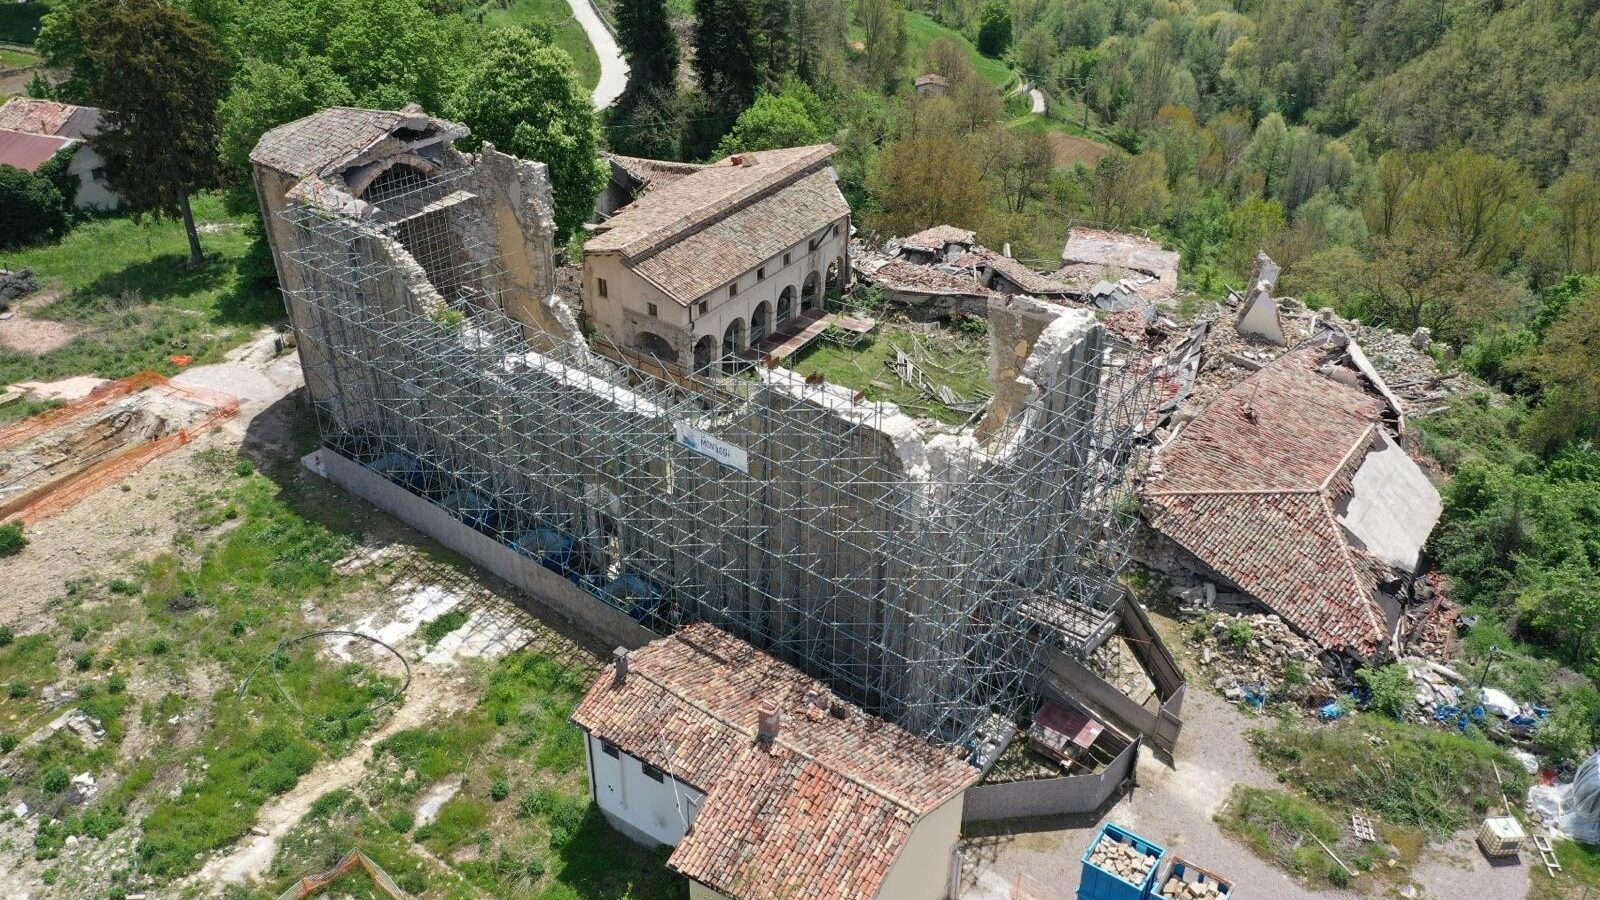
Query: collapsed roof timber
point(929, 577)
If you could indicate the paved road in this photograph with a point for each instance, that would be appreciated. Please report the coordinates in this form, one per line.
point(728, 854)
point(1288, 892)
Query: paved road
point(1037, 96)
point(613, 71)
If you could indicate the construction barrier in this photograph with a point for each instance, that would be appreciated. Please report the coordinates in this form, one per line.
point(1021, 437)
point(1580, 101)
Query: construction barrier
point(352, 861)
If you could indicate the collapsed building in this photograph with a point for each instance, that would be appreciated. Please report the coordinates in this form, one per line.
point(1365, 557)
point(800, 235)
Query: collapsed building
point(947, 580)
point(1291, 491)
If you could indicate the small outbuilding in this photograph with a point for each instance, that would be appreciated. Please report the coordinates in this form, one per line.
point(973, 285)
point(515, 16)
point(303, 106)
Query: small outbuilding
point(932, 84)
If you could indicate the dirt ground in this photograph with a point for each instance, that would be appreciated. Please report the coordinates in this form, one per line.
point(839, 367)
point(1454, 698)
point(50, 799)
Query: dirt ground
point(1069, 149)
point(27, 332)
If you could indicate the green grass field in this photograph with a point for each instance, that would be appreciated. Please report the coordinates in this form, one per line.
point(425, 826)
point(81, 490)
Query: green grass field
point(956, 360)
point(127, 286)
point(16, 58)
point(922, 31)
point(569, 34)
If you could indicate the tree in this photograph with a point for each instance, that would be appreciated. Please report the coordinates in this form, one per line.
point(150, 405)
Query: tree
point(923, 180)
point(725, 53)
point(994, 28)
point(1425, 279)
point(1127, 190)
point(31, 208)
point(1576, 200)
point(648, 43)
point(1019, 164)
point(774, 120)
point(1389, 203)
point(267, 94)
point(1251, 225)
point(777, 40)
point(945, 56)
point(1036, 51)
point(977, 101)
point(159, 76)
point(883, 23)
point(523, 96)
point(1474, 202)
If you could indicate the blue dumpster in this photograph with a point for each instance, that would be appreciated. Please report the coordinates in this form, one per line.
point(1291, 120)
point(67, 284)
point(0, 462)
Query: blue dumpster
point(1100, 884)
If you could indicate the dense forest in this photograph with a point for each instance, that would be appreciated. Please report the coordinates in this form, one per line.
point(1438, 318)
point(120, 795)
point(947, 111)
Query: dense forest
point(1412, 163)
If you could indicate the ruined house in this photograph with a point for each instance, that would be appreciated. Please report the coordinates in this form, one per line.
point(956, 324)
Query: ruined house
point(1094, 255)
point(1292, 490)
point(932, 84)
point(32, 132)
point(765, 783)
point(721, 261)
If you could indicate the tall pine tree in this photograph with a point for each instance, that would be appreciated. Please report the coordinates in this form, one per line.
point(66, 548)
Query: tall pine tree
point(726, 53)
point(777, 41)
point(644, 32)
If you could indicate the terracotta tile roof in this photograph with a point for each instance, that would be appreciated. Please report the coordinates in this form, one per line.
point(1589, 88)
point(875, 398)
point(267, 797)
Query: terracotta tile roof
point(49, 117)
point(1025, 278)
point(29, 151)
point(652, 171)
point(932, 240)
point(711, 257)
point(822, 813)
point(325, 141)
point(1251, 487)
point(694, 201)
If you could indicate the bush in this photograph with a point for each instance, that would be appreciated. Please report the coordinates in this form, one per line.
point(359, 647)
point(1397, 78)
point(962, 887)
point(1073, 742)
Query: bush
point(83, 661)
point(499, 790)
point(1391, 688)
point(18, 690)
point(11, 538)
point(1239, 634)
point(435, 630)
point(994, 29)
point(31, 208)
point(80, 631)
point(8, 742)
point(55, 780)
point(6, 635)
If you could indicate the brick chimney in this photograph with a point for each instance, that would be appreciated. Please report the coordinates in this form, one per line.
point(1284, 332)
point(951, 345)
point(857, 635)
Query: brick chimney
point(620, 656)
point(768, 720)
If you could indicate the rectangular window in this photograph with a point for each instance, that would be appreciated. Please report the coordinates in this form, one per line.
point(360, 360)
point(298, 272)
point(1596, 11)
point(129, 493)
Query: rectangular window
point(610, 749)
point(650, 306)
point(733, 289)
point(602, 284)
point(761, 273)
point(704, 304)
point(652, 772)
point(786, 259)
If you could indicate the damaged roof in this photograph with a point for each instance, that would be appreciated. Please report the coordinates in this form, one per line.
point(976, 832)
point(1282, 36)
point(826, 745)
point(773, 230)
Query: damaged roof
point(50, 118)
point(29, 151)
point(933, 240)
point(332, 139)
point(1028, 280)
point(1254, 487)
point(1120, 250)
point(651, 171)
point(834, 778)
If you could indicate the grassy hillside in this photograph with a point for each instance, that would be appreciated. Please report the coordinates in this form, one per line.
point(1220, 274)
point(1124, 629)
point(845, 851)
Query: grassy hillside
point(922, 31)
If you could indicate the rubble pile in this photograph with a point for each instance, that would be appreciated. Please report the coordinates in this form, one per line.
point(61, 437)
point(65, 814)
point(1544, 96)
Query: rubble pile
point(1121, 860)
point(1252, 656)
point(1177, 889)
point(14, 285)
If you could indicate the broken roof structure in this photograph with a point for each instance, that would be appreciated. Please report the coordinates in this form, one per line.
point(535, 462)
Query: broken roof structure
point(832, 778)
point(1117, 254)
point(340, 137)
point(697, 231)
point(29, 151)
point(50, 118)
point(1291, 487)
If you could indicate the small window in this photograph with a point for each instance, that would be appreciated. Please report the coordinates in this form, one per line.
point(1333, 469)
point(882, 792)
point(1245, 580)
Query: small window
point(610, 750)
point(786, 259)
point(704, 304)
point(652, 772)
point(733, 289)
point(651, 307)
point(602, 285)
point(761, 273)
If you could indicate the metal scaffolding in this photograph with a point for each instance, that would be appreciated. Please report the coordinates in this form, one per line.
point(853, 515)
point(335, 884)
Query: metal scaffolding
point(924, 579)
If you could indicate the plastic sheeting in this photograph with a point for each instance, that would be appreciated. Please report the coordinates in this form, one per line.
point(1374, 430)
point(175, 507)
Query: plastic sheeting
point(1581, 818)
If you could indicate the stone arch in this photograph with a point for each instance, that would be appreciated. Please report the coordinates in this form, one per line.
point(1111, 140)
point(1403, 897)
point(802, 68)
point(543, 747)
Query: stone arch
point(760, 323)
point(785, 307)
point(733, 343)
point(652, 344)
point(388, 177)
point(811, 292)
point(704, 353)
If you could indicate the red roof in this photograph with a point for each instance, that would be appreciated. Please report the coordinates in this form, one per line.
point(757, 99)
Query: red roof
point(28, 151)
point(821, 813)
point(1251, 487)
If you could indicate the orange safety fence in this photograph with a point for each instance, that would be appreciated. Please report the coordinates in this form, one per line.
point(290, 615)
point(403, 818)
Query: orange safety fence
point(64, 492)
point(104, 395)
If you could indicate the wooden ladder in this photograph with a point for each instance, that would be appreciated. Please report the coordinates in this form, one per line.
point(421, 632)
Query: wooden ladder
point(1547, 854)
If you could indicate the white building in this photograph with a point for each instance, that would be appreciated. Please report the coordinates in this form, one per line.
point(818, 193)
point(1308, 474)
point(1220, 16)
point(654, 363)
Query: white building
point(718, 261)
point(44, 127)
point(765, 783)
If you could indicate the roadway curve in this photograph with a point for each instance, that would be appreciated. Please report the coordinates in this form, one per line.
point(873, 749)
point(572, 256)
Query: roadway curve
point(613, 71)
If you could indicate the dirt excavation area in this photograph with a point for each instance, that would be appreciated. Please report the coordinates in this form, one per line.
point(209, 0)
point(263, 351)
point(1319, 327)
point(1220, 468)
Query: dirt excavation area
point(218, 674)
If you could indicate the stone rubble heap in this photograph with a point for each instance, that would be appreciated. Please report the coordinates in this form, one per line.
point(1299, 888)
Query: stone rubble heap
point(1262, 661)
point(1180, 890)
point(1122, 860)
point(15, 285)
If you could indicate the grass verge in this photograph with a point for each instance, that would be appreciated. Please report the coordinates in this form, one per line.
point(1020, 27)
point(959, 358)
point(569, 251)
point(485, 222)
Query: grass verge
point(1285, 830)
point(922, 31)
point(952, 358)
point(1579, 878)
point(129, 292)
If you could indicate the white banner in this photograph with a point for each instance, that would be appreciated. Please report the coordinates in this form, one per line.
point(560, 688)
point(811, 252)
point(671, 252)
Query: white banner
point(712, 447)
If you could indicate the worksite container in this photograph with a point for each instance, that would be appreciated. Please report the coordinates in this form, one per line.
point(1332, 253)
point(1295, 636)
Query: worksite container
point(1500, 836)
point(1098, 884)
point(1189, 873)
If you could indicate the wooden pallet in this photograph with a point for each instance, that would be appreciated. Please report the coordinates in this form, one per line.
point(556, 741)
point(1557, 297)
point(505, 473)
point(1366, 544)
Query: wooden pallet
point(1547, 854)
